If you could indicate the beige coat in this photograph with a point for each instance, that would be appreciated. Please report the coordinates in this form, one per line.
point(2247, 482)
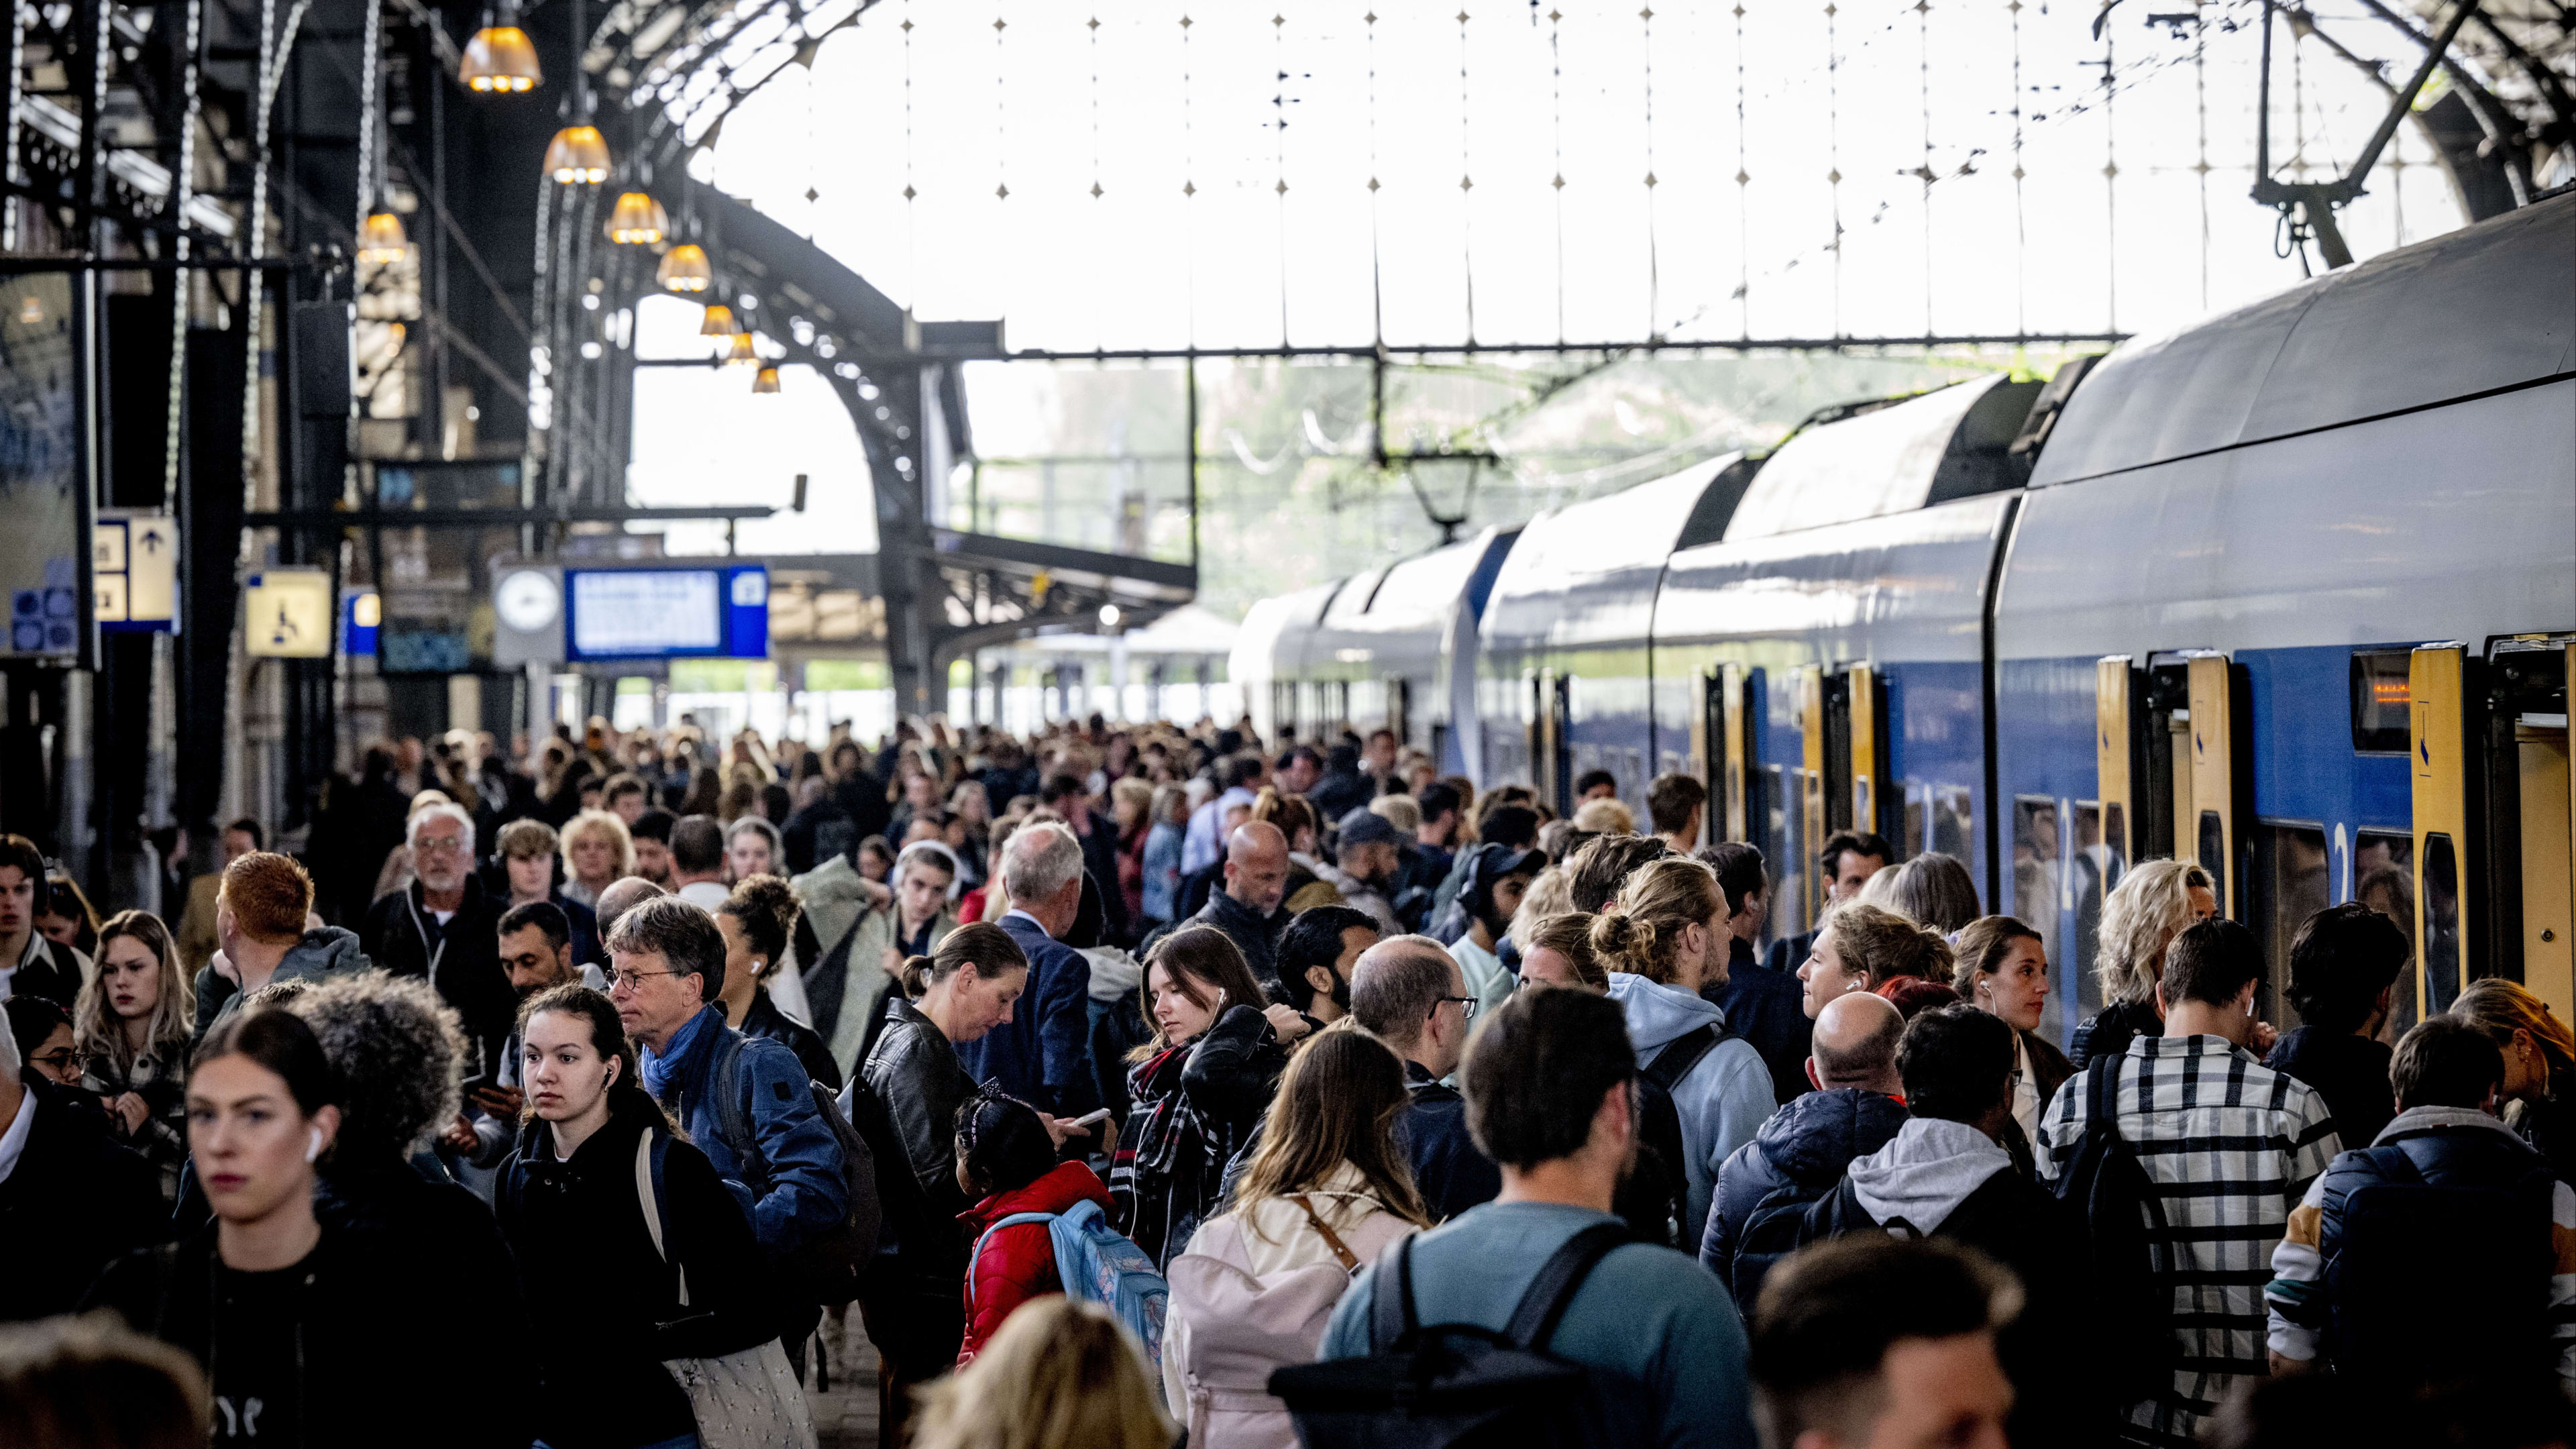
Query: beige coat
point(1252, 1294)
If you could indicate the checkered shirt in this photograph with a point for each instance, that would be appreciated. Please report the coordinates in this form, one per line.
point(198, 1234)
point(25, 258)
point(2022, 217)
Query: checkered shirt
point(2231, 1145)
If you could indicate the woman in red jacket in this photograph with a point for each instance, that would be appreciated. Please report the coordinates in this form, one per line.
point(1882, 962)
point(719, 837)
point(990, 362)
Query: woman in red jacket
point(1006, 1160)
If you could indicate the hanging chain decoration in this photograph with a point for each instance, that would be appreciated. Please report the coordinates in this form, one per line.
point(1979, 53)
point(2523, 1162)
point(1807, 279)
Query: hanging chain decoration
point(2200, 162)
point(1556, 149)
point(1654, 273)
point(1377, 274)
point(1001, 114)
point(1098, 226)
point(1189, 193)
point(911, 220)
point(2021, 220)
point(1279, 154)
point(276, 43)
point(1833, 161)
point(1466, 184)
point(1744, 194)
point(2110, 189)
point(183, 192)
point(1923, 88)
point(369, 44)
point(16, 177)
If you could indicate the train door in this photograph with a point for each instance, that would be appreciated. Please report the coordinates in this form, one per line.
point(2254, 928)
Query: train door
point(1551, 706)
point(2172, 765)
point(1874, 806)
point(1720, 751)
point(1814, 798)
point(2494, 894)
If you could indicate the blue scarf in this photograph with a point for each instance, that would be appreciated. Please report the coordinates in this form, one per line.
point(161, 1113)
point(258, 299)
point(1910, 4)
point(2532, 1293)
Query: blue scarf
point(660, 1067)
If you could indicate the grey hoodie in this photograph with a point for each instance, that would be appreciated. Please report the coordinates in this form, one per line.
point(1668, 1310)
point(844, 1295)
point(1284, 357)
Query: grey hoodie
point(1723, 1101)
point(326, 953)
point(1926, 1172)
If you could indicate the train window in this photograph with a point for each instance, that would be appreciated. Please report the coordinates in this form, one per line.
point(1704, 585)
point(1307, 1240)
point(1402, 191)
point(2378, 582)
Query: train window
point(2037, 869)
point(2291, 883)
point(2379, 701)
point(1953, 820)
point(2441, 943)
point(1918, 816)
point(2212, 852)
point(2092, 870)
point(1783, 837)
point(2383, 878)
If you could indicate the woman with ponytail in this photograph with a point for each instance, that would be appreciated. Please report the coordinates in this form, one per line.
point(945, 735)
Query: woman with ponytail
point(671, 1278)
point(960, 991)
point(758, 921)
point(1663, 939)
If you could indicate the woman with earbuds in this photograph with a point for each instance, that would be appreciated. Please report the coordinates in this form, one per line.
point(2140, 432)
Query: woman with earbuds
point(262, 1296)
point(2002, 970)
point(675, 1277)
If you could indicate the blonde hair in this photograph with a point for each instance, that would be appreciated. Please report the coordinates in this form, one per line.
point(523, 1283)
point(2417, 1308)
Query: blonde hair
point(1886, 944)
point(2499, 1008)
point(1605, 817)
point(95, 1022)
point(589, 821)
point(2148, 908)
point(525, 839)
point(1642, 930)
point(1401, 811)
point(1552, 894)
point(1059, 1374)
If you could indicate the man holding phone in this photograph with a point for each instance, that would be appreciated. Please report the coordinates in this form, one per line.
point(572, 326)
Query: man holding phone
point(536, 953)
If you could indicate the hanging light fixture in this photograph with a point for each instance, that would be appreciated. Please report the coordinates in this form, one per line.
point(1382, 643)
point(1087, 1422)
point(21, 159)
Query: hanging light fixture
point(501, 59)
point(684, 269)
point(578, 156)
point(382, 242)
point(718, 322)
point(637, 220)
point(766, 380)
point(743, 349)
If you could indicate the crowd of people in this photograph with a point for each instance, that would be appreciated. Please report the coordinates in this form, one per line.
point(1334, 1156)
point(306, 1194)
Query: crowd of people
point(1136, 1083)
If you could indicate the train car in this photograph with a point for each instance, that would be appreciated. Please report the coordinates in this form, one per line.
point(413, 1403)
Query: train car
point(1564, 681)
point(1377, 651)
point(2291, 594)
point(1822, 666)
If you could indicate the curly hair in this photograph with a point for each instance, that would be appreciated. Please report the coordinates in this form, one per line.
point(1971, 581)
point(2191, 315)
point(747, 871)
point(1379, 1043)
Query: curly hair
point(1887, 945)
point(767, 907)
point(400, 1052)
point(2148, 908)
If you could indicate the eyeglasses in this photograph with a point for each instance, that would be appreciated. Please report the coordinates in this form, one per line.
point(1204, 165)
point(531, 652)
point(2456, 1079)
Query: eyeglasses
point(440, 845)
point(63, 1063)
point(1466, 1006)
point(634, 980)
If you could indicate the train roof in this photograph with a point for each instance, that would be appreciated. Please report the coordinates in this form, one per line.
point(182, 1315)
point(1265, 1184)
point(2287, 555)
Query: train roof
point(1949, 443)
point(1587, 571)
point(2482, 309)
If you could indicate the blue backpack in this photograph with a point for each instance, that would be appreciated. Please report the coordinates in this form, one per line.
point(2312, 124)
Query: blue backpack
point(1099, 1265)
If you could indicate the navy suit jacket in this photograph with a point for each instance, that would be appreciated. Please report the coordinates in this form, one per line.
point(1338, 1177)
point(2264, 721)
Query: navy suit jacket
point(1042, 1055)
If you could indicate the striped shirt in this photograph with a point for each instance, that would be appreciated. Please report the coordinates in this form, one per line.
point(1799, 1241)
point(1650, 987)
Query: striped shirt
point(2231, 1146)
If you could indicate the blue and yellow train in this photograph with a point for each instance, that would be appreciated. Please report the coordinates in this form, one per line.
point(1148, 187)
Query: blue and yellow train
point(2291, 592)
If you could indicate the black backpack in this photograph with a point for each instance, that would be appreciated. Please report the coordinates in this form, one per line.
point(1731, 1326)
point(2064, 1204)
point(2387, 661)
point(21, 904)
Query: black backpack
point(1655, 1195)
point(827, 1268)
point(2490, 1294)
point(2126, 1270)
point(1458, 1386)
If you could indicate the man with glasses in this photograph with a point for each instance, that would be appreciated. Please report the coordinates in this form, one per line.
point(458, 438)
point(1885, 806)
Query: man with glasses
point(1410, 994)
point(744, 1100)
point(443, 927)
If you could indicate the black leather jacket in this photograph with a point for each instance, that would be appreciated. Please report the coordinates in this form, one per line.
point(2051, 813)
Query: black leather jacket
point(914, 1071)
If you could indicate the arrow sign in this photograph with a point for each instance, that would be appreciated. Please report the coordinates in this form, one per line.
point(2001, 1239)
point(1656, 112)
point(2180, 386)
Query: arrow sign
point(135, 562)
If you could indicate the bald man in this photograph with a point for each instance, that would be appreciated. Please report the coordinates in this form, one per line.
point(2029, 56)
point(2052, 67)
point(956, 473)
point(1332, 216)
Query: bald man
point(622, 895)
point(1801, 1153)
point(1247, 907)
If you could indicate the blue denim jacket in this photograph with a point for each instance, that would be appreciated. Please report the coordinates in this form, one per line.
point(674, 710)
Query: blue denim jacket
point(806, 1192)
point(1162, 871)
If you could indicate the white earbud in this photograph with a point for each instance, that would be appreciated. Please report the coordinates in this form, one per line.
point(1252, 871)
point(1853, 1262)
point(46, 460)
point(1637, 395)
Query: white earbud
point(313, 1146)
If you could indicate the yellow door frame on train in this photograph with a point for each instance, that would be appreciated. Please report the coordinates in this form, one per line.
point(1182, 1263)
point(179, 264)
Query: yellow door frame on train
point(1868, 755)
point(2111, 724)
point(2213, 773)
point(2547, 834)
point(1811, 789)
point(2437, 730)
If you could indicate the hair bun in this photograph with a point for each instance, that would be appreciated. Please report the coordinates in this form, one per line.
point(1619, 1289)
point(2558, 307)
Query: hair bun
point(915, 977)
